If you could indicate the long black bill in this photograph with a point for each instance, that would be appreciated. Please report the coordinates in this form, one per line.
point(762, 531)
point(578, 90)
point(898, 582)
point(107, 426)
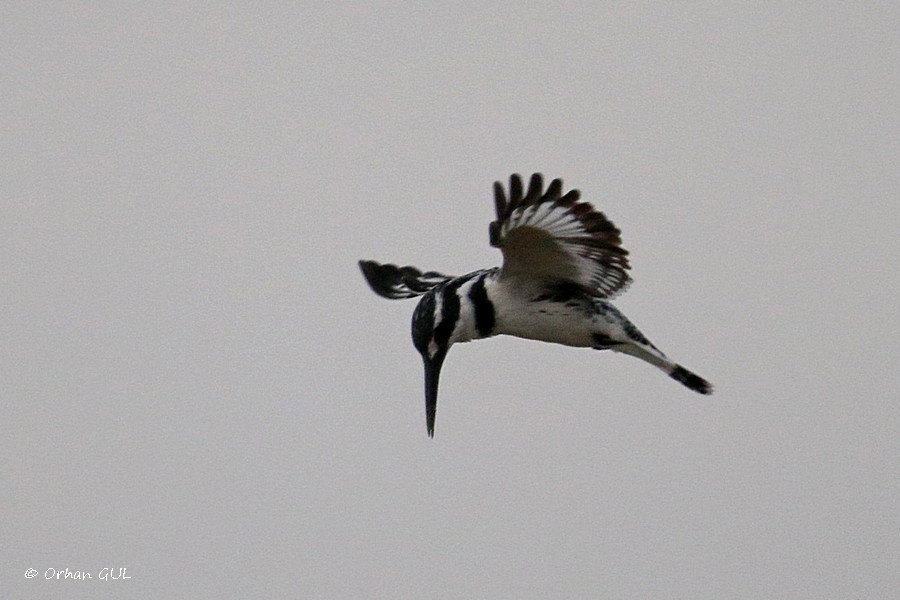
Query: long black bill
point(432, 375)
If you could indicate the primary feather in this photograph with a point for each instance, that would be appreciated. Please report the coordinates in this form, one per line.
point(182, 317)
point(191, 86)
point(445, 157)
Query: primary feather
point(547, 235)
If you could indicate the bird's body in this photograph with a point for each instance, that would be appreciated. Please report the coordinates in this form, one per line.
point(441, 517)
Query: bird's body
point(562, 262)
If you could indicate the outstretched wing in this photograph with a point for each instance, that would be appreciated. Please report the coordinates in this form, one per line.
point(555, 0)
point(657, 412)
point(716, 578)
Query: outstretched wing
point(396, 282)
point(545, 235)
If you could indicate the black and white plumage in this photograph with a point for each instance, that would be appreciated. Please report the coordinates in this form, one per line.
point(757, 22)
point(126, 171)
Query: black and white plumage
point(562, 262)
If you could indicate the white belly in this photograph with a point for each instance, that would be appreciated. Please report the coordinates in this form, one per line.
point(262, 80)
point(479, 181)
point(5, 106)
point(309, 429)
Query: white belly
point(548, 322)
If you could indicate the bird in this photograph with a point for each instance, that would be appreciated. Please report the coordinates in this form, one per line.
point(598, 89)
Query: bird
point(563, 262)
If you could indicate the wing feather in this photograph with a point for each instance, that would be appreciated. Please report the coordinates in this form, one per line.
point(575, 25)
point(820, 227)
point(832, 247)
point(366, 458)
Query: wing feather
point(391, 281)
point(548, 235)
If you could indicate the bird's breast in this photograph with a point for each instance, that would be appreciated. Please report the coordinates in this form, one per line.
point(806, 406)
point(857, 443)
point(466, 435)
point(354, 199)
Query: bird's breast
point(522, 313)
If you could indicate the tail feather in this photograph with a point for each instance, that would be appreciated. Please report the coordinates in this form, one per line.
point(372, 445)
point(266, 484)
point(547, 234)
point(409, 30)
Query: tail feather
point(691, 380)
point(655, 357)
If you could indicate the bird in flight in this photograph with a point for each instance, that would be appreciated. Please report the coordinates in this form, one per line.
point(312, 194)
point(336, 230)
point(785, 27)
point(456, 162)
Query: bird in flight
point(562, 263)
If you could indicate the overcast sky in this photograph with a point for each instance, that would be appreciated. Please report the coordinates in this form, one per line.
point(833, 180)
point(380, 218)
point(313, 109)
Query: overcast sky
point(198, 386)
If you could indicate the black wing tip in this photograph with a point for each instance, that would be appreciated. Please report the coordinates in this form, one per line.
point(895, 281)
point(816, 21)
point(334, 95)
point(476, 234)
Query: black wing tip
point(554, 190)
point(384, 279)
point(369, 269)
point(535, 192)
point(499, 200)
point(375, 274)
point(519, 195)
point(691, 380)
point(396, 283)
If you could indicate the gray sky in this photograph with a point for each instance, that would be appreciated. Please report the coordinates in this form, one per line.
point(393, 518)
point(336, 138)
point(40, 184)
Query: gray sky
point(198, 386)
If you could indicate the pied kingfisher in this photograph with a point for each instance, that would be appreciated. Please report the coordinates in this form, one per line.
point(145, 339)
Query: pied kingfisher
point(562, 261)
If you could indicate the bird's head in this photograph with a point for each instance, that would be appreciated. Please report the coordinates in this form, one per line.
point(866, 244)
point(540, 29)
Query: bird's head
point(431, 337)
